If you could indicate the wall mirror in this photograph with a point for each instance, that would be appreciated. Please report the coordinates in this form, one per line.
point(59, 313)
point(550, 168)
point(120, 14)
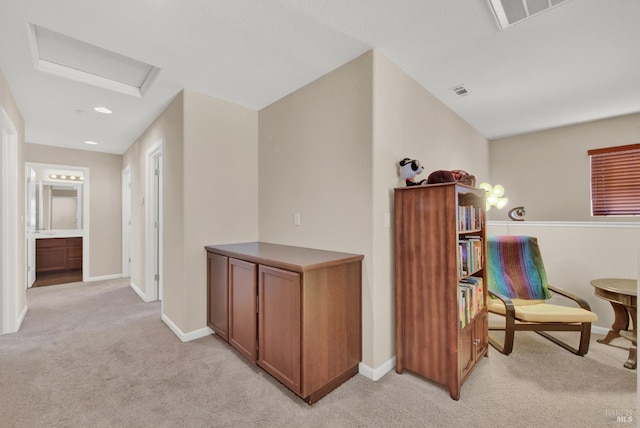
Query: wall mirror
point(54, 198)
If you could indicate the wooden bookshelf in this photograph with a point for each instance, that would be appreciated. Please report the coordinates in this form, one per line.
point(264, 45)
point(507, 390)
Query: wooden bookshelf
point(441, 314)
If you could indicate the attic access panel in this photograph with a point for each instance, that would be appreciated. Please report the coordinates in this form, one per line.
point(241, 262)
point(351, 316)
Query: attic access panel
point(509, 12)
point(67, 57)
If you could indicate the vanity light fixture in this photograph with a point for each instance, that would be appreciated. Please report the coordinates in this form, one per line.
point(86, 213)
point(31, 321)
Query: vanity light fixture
point(66, 177)
point(103, 110)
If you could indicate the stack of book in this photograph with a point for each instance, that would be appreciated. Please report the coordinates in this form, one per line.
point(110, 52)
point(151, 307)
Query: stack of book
point(469, 255)
point(471, 298)
point(469, 217)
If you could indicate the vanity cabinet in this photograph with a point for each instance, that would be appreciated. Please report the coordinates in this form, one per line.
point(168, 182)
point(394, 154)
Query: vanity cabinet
point(58, 254)
point(295, 312)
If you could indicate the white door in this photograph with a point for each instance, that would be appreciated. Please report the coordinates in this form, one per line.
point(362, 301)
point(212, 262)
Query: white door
point(153, 221)
point(157, 160)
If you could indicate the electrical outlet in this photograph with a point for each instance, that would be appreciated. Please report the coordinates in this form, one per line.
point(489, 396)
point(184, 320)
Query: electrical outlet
point(296, 219)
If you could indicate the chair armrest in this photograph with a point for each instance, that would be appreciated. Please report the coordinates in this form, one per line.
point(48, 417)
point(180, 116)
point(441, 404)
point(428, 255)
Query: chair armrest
point(580, 301)
point(508, 304)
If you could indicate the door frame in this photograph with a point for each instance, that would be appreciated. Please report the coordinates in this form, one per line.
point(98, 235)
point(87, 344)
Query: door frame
point(83, 191)
point(126, 221)
point(9, 227)
point(153, 291)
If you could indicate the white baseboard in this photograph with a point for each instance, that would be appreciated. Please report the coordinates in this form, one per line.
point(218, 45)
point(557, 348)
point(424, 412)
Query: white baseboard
point(599, 330)
point(102, 278)
point(379, 372)
point(21, 317)
point(186, 337)
point(138, 291)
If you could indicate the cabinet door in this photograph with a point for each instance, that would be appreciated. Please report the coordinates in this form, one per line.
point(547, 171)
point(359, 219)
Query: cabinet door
point(51, 255)
point(466, 353)
point(75, 253)
point(242, 307)
point(279, 325)
point(218, 294)
point(480, 339)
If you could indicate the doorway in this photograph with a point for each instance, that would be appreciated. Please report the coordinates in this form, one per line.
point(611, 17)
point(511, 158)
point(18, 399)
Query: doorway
point(9, 318)
point(57, 220)
point(153, 221)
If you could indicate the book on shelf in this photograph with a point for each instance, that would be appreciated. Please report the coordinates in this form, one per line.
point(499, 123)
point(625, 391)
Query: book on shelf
point(470, 217)
point(470, 253)
point(471, 298)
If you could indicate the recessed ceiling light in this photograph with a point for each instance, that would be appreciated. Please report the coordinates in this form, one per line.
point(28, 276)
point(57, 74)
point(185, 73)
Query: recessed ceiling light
point(93, 143)
point(53, 176)
point(102, 110)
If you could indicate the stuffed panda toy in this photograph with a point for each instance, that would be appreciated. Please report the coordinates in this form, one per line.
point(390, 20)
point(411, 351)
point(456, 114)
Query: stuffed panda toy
point(410, 168)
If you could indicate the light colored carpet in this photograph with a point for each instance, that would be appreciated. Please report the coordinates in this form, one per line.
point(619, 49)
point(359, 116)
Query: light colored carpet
point(95, 355)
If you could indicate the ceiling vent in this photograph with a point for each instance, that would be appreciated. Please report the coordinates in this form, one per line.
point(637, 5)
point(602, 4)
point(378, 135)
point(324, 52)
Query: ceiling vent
point(460, 91)
point(509, 12)
point(74, 59)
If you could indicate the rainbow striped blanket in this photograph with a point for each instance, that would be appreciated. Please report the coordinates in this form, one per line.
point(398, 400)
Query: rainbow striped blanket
point(515, 268)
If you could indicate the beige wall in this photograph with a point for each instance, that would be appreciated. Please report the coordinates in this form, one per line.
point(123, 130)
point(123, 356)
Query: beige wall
point(316, 159)
point(548, 172)
point(105, 202)
point(408, 122)
point(168, 128)
point(210, 196)
point(329, 151)
point(220, 188)
point(9, 105)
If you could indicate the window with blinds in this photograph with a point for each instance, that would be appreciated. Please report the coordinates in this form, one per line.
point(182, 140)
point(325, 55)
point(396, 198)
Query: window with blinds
point(615, 181)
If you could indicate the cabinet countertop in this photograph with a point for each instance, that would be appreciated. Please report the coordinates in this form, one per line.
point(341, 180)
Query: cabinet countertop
point(297, 259)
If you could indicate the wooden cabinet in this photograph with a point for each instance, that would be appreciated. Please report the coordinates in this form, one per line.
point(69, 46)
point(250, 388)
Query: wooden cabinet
point(218, 294)
point(441, 321)
point(295, 312)
point(58, 254)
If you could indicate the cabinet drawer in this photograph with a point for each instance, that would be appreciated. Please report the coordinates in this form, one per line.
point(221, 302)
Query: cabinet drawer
point(51, 243)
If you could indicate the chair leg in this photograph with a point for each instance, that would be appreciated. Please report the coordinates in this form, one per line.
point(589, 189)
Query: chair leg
point(509, 332)
point(583, 347)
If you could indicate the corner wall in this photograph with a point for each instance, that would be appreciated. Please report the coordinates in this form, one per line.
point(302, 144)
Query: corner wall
point(315, 158)
point(210, 197)
point(408, 121)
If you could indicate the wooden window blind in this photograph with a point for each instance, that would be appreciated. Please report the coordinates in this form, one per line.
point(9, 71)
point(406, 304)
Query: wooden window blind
point(615, 180)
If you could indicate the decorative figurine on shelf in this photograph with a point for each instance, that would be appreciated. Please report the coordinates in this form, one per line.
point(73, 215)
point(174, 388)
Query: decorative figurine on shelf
point(456, 175)
point(410, 168)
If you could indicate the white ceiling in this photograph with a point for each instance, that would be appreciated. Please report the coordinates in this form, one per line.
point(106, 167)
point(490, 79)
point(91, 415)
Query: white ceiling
point(577, 62)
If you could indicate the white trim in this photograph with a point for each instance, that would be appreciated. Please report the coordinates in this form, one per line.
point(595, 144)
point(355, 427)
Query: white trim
point(377, 373)
point(21, 317)
point(599, 330)
point(186, 337)
point(138, 291)
point(9, 321)
point(151, 291)
point(126, 218)
point(592, 224)
point(102, 278)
